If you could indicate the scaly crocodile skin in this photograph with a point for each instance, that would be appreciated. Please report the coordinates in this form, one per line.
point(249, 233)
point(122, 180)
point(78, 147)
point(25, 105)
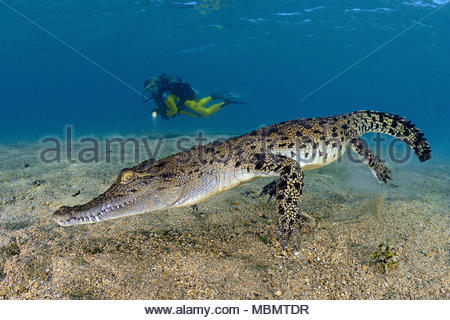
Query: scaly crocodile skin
point(285, 150)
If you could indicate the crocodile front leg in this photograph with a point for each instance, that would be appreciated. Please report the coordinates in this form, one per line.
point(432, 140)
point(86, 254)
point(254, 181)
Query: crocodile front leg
point(288, 190)
point(271, 190)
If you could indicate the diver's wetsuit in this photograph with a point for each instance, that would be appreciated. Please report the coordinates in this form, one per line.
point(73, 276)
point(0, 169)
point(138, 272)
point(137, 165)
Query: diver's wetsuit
point(173, 96)
point(179, 88)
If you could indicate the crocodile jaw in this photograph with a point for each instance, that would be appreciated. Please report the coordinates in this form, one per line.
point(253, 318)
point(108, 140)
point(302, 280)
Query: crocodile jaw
point(129, 195)
point(67, 216)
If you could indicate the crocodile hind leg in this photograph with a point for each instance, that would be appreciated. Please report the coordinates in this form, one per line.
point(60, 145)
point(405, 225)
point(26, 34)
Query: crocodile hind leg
point(288, 191)
point(380, 171)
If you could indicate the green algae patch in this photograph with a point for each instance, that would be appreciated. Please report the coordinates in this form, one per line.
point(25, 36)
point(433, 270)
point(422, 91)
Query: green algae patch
point(386, 257)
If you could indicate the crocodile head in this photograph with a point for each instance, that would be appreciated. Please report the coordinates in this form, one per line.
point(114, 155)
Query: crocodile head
point(133, 192)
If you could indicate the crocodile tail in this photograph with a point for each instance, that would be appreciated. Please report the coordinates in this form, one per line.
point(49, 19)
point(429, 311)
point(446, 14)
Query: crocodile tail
point(393, 125)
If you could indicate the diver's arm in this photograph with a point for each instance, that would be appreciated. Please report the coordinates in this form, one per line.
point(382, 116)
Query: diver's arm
point(171, 104)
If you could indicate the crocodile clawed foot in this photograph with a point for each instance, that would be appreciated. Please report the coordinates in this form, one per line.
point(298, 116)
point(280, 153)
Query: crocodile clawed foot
point(287, 235)
point(294, 240)
point(269, 189)
point(279, 233)
point(384, 175)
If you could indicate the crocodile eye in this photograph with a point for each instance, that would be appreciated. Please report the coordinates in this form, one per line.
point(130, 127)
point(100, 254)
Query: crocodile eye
point(127, 176)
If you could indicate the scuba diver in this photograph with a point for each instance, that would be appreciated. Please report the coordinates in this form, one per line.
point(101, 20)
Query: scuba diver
point(174, 97)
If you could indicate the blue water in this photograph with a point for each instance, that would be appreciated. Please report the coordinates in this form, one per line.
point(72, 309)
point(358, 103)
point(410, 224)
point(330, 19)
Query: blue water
point(274, 52)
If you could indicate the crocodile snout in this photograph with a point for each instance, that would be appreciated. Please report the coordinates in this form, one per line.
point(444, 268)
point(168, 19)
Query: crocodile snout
point(62, 215)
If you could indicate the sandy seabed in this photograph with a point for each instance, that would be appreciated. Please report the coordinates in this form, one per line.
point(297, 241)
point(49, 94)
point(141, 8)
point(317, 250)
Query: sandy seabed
point(227, 249)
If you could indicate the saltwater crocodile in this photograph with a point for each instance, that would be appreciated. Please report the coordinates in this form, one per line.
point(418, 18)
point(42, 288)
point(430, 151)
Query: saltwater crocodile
point(285, 150)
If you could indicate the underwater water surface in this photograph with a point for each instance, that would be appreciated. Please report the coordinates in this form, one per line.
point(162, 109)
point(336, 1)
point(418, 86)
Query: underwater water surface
point(380, 55)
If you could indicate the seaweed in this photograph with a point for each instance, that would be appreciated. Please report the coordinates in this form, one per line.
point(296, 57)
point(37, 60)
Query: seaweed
point(386, 257)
